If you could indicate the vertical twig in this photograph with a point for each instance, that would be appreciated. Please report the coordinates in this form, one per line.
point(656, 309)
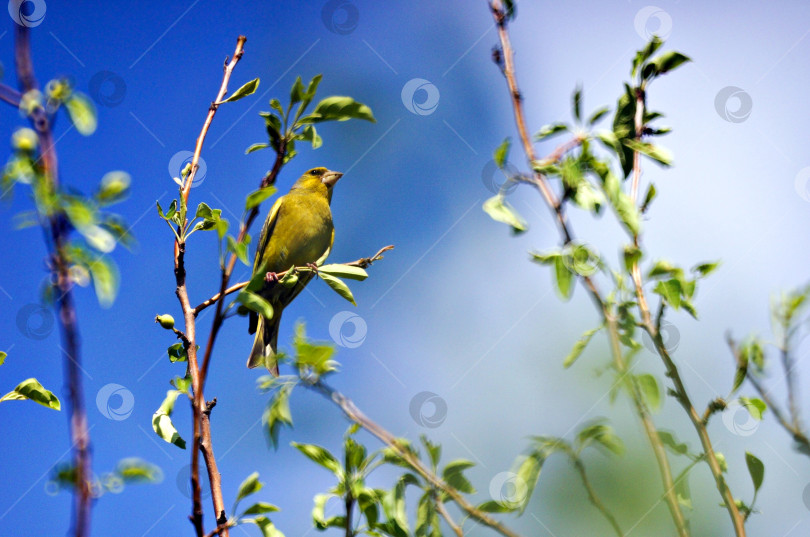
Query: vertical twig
point(200, 409)
point(737, 520)
point(71, 356)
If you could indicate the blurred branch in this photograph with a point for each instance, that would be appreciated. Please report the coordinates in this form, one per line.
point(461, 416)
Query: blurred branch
point(608, 316)
point(200, 409)
point(653, 329)
point(798, 434)
point(356, 415)
point(447, 518)
point(10, 95)
point(363, 262)
point(59, 266)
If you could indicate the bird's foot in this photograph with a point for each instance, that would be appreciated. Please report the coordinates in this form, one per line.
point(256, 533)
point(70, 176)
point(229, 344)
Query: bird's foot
point(271, 277)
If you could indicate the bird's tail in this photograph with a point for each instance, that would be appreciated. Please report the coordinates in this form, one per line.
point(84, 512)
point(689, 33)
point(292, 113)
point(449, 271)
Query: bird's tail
point(265, 344)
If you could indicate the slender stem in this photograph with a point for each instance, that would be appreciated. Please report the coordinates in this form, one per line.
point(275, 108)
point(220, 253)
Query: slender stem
point(580, 467)
point(737, 520)
point(798, 434)
point(200, 409)
point(349, 506)
point(790, 381)
point(10, 95)
point(447, 518)
point(71, 355)
point(357, 416)
point(567, 236)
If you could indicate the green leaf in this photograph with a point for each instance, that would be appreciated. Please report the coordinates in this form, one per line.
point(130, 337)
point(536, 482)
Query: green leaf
point(297, 91)
point(579, 346)
point(502, 153)
point(599, 114)
point(576, 103)
point(249, 88)
point(755, 406)
point(255, 303)
point(338, 286)
point(203, 211)
point(528, 472)
point(82, 113)
point(321, 456)
point(501, 211)
point(657, 153)
point(135, 470)
point(162, 421)
point(319, 511)
point(339, 108)
point(669, 290)
point(704, 269)
point(105, 280)
point(632, 255)
point(177, 353)
point(309, 134)
point(756, 469)
point(648, 197)
point(250, 485)
point(624, 128)
point(671, 442)
point(255, 147)
point(259, 508)
point(682, 492)
point(644, 54)
point(113, 188)
point(33, 390)
point(434, 450)
point(309, 355)
point(267, 528)
point(548, 131)
point(258, 196)
point(239, 249)
point(651, 390)
point(344, 271)
point(564, 278)
point(494, 507)
point(454, 476)
point(277, 413)
point(603, 435)
point(3, 356)
point(669, 61)
point(427, 517)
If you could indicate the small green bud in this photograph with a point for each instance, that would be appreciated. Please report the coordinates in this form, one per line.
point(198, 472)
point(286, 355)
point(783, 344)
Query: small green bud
point(186, 170)
point(165, 320)
point(24, 139)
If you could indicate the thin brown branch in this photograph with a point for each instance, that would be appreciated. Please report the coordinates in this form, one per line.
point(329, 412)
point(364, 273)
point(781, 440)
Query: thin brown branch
point(363, 262)
point(609, 318)
point(10, 95)
point(356, 415)
point(71, 355)
point(447, 518)
point(653, 329)
point(201, 417)
point(799, 436)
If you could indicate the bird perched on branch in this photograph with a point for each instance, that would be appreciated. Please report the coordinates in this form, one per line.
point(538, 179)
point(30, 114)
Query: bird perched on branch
point(298, 231)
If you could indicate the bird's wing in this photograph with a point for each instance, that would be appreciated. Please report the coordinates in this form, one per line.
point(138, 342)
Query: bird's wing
point(267, 231)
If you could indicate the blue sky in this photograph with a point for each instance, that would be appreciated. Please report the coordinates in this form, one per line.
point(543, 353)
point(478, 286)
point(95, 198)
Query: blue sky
point(456, 309)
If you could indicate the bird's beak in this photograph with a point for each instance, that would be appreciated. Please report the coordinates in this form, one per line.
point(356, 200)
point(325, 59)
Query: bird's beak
point(330, 178)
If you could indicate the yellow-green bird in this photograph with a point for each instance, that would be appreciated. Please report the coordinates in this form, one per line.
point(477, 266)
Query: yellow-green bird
point(297, 232)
